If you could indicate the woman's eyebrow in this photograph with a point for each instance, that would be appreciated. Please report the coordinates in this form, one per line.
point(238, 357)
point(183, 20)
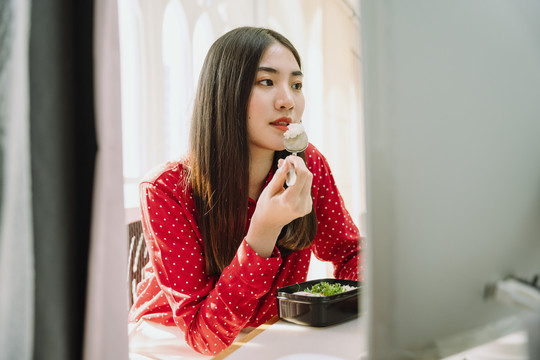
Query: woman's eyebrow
point(274, 71)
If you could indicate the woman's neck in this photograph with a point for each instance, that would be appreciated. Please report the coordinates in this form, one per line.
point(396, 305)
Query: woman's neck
point(259, 166)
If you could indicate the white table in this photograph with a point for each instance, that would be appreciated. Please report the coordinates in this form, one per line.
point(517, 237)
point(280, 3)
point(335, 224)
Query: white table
point(281, 340)
point(284, 341)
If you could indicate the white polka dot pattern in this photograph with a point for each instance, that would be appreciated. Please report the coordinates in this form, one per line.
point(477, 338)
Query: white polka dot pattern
point(212, 311)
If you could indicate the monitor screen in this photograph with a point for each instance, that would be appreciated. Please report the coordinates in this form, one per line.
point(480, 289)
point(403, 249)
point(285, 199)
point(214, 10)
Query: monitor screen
point(452, 127)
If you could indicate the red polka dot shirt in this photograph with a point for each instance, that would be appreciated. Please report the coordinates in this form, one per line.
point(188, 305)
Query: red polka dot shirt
point(212, 310)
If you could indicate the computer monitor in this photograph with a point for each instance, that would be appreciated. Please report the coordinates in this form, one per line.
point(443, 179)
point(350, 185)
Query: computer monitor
point(452, 127)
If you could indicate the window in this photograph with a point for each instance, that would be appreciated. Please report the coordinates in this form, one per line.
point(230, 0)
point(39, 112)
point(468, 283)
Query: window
point(178, 90)
point(203, 37)
point(132, 121)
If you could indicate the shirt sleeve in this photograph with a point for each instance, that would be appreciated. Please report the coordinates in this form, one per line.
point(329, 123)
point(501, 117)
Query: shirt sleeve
point(210, 311)
point(338, 238)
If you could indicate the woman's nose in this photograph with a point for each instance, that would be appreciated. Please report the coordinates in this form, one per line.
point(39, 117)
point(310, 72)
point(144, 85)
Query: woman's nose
point(284, 99)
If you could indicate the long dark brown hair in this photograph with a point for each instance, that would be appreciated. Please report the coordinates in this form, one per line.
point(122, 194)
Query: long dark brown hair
point(219, 149)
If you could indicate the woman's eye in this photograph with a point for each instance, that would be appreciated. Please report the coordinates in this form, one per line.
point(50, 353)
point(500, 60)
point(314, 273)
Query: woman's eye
point(297, 86)
point(266, 82)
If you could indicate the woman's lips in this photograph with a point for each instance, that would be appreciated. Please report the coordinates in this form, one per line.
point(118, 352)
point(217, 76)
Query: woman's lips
point(281, 123)
point(281, 127)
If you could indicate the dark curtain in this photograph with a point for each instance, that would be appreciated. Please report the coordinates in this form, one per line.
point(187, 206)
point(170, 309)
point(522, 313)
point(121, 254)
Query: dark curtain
point(63, 149)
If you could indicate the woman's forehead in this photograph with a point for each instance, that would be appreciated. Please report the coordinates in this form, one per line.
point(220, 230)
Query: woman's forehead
point(279, 58)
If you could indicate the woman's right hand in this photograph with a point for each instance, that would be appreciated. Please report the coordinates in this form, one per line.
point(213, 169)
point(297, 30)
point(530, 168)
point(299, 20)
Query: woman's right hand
point(277, 206)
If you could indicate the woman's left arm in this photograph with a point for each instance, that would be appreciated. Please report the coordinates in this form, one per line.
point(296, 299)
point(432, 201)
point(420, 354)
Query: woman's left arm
point(338, 238)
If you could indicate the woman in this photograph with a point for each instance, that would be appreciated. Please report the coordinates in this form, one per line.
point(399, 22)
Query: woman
point(222, 230)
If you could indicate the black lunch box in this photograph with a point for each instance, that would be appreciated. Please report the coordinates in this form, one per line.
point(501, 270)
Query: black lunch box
point(318, 310)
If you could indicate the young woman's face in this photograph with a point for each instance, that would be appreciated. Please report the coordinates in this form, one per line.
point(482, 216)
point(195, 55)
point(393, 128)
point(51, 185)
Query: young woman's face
point(276, 99)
